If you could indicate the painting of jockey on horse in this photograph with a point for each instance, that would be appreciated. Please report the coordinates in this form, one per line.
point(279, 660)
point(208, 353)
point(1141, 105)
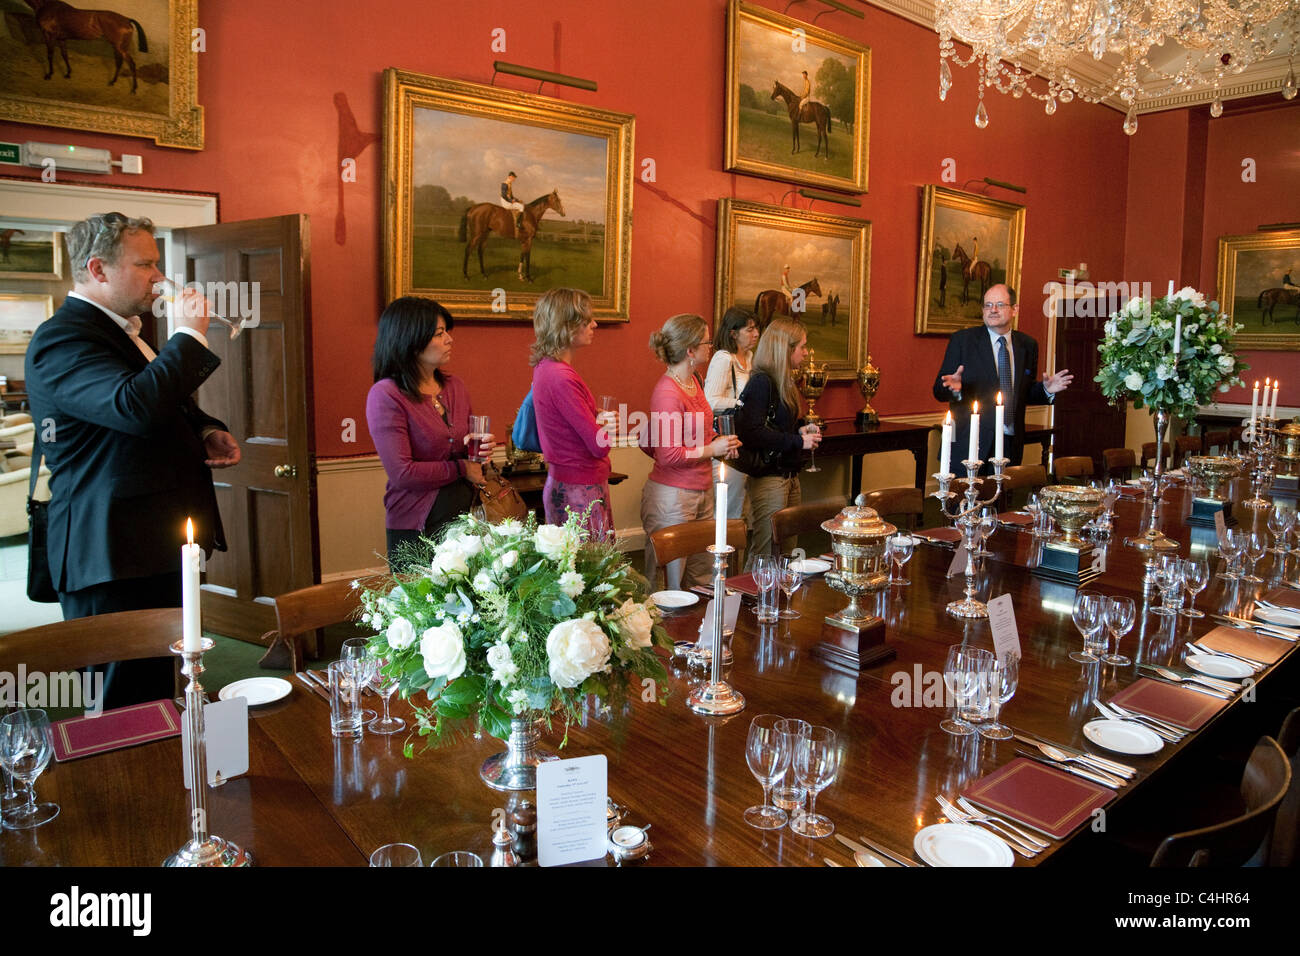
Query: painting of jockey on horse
point(797, 101)
point(1258, 287)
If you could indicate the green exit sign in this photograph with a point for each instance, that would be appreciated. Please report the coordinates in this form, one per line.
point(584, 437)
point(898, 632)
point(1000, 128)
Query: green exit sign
point(9, 154)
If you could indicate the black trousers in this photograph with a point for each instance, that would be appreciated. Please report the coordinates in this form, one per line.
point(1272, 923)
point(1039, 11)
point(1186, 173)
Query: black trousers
point(453, 501)
point(130, 682)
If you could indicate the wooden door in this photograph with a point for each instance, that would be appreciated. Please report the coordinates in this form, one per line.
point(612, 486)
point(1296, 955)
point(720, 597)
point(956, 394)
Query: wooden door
point(1084, 420)
point(263, 392)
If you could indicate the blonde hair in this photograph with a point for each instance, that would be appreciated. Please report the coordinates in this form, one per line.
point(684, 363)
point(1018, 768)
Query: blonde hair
point(558, 314)
point(679, 335)
point(773, 356)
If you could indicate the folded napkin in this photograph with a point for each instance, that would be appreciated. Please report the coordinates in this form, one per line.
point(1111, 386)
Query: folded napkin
point(114, 729)
point(1266, 650)
point(949, 535)
point(1286, 597)
point(1177, 705)
point(1044, 798)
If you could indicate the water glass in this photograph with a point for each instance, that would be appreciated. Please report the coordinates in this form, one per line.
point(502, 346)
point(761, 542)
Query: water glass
point(1196, 575)
point(899, 550)
point(1087, 614)
point(789, 797)
point(1231, 546)
point(458, 858)
point(763, 568)
point(1119, 615)
point(345, 700)
point(768, 754)
point(356, 652)
point(1000, 682)
point(480, 434)
point(816, 763)
point(396, 854)
point(26, 745)
point(1169, 579)
point(961, 675)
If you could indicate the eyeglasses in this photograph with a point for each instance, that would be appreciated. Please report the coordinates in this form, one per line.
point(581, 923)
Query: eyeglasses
point(996, 306)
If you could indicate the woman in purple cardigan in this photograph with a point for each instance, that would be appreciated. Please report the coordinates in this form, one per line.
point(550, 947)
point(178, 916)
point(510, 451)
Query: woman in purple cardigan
point(419, 421)
point(574, 439)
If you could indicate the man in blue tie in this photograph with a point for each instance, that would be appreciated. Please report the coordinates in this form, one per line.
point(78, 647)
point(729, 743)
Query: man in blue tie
point(982, 361)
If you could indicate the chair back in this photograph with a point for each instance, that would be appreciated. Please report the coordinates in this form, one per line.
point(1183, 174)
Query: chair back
point(1187, 445)
point(1149, 453)
point(1216, 440)
point(691, 537)
point(804, 518)
point(907, 503)
point(306, 612)
point(1284, 847)
point(1235, 842)
point(1073, 466)
point(1119, 463)
point(1019, 477)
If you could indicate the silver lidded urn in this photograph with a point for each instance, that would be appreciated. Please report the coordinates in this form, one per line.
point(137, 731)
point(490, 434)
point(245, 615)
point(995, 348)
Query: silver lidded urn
point(858, 539)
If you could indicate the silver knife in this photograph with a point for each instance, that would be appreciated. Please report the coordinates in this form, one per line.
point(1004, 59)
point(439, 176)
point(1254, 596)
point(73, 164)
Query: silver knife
point(311, 685)
point(830, 862)
point(1109, 782)
point(872, 850)
point(1187, 685)
point(1110, 766)
point(1268, 630)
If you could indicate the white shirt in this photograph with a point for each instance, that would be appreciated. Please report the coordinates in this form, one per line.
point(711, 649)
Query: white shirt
point(717, 381)
point(132, 325)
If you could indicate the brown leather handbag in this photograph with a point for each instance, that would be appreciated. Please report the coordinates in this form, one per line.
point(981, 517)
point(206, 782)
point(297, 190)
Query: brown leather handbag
point(498, 498)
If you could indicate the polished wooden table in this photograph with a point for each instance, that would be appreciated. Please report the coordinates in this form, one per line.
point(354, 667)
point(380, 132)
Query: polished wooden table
point(843, 437)
point(310, 799)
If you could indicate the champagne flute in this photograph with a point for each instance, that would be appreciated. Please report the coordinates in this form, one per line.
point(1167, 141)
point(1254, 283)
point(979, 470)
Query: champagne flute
point(26, 745)
point(812, 452)
point(1119, 616)
point(356, 652)
point(789, 797)
point(1196, 576)
point(1002, 678)
point(789, 578)
point(171, 292)
point(768, 754)
point(385, 684)
point(900, 552)
point(1087, 614)
point(816, 762)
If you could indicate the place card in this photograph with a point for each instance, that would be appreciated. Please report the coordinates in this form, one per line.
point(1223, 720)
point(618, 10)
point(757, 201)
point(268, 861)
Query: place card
point(114, 729)
point(1220, 530)
point(958, 565)
point(730, 611)
point(225, 730)
point(572, 810)
point(1042, 797)
point(1002, 621)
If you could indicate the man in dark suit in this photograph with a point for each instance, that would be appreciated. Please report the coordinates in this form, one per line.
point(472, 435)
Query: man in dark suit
point(130, 453)
point(984, 360)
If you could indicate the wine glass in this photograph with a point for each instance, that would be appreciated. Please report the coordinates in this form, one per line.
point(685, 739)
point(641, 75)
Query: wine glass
point(26, 745)
point(763, 568)
point(768, 754)
point(988, 523)
point(356, 652)
point(480, 431)
point(789, 797)
point(1256, 546)
point(812, 452)
point(1231, 546)
point(458, 858)
point(899, 548)
point(816, 762)
point(396, 854)
point(1087, 614)
point(1119, 615)
point(961, 675)
point(1168, 579)
point(385, 684)
point(1196, 576)
point(169, 291)
point(1280, 521)
point(789, 578)
point(1001, 680)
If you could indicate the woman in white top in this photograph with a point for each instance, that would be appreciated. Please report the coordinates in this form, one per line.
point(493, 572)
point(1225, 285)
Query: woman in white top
point(733, 350)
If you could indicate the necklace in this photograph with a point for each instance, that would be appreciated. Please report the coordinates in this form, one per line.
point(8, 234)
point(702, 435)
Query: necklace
point(684, 386)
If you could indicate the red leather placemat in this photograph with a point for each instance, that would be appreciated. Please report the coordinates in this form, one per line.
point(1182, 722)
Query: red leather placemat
point(1186, 708)
point(940, 534)
point(1266, 650)
point(1046, 799)
point(1015, 518)
point(1285, 597)
point(744, 583)
point(114, 729)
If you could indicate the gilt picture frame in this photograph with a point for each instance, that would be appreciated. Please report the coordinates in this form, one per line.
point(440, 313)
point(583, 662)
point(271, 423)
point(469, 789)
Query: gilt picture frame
point(1253, 290)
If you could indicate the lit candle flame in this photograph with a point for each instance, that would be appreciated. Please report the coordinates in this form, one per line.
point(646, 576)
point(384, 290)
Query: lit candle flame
point(189, 530)
point(999, 398)
point(975, 408)
point(947, 418)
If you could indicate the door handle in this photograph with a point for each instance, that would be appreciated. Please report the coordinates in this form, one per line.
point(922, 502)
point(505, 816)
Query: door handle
point(286, 471)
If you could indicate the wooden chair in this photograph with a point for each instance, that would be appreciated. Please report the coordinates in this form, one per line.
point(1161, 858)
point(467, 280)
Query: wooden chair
point(1186, 445)
point(1019, 477)
point(1235, 842)
point(905, 503)
point(1284, 847)
point(1073, 466)
point(1234, 437)
point(66, 646)
point(1118, 463)
point(691, 537)
point(1216, 440)
point(803, 519)
point(1149, 454)
point(305, 612)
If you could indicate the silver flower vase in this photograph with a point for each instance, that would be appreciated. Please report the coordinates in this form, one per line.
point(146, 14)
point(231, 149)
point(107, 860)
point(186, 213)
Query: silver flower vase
point(516, 768)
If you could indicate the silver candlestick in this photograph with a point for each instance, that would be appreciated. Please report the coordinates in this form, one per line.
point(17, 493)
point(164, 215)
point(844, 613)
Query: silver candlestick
point(204, 849)
point(965, 517)
point(717, 697)
point(1261, 447)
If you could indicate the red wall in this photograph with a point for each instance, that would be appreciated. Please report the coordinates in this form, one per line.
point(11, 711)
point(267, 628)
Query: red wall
point(271, 71)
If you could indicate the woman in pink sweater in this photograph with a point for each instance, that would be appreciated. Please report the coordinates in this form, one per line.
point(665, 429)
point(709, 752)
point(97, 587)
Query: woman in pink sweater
point(682, 442)
point(574, 439)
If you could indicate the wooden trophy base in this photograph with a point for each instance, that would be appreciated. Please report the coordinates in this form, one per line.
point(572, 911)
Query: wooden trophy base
point(866, 419)
point(1204, 510)
point(1067, 564)
point(853, 647)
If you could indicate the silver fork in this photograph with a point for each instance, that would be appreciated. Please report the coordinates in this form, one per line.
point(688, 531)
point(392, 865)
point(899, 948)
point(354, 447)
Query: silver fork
point(976, 811)
point(1200, 686)
point(957, 816)
point(1159, 728)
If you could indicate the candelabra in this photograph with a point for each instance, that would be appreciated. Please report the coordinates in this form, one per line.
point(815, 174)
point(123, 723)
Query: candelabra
point(966, 518)
point(1261, 448)
point(717, 698)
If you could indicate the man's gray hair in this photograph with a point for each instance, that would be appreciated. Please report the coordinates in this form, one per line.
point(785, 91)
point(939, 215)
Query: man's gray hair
point(100, 237)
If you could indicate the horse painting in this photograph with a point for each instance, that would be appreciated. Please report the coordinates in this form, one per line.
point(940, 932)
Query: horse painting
point(6, 236)
point(484, 218)
point(830, 307)
point(972, 269)
point(812, 112)
point(1270, 298)
point(61, 22)
point(943, 276)
point(772, 302)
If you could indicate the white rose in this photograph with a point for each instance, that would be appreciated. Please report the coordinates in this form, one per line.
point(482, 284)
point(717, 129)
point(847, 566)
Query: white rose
point(443, 650)
point(571, 583)
point(509, 559)
point(483, 583)
point(553, 541)
point(1133, 381)
point(576, 650)
point(518, 700)
point(1225, 363)
point(450, 558)
point(1216, 348)
point(634, 623)
point(503, 665)
point(401, 634)
point(509, 527)
point(471, 544)
point(1162, 372)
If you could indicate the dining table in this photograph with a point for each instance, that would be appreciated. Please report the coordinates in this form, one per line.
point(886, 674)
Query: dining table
point(312, 799)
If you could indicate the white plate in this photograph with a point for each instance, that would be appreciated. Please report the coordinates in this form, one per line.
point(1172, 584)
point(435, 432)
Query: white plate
point(1122, 736)
point(1273, 615)
point(960, 844)
point(1216, 665)
point(671, 600)
point(256, 690)
point(810, 566)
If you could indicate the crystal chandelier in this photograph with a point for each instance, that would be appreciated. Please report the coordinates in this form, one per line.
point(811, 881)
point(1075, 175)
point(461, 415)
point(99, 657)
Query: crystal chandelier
point(1012, 40)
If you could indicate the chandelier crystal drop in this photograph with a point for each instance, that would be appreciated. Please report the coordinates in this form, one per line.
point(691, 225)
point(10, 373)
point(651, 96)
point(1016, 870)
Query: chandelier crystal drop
point(1011, 40)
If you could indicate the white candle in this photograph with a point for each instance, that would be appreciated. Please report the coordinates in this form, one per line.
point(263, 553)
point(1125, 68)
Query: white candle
point(1178, 333)
point(1254, 406)
point(945, 446)
point(1277, 386)
point(1171, 289)
point(1263, 405)
point(999, 417)
point(720, 510)
point(191, 629)
point(974, 451)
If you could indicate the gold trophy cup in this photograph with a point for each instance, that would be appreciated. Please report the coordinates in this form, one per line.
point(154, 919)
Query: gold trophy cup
point(812, 382)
